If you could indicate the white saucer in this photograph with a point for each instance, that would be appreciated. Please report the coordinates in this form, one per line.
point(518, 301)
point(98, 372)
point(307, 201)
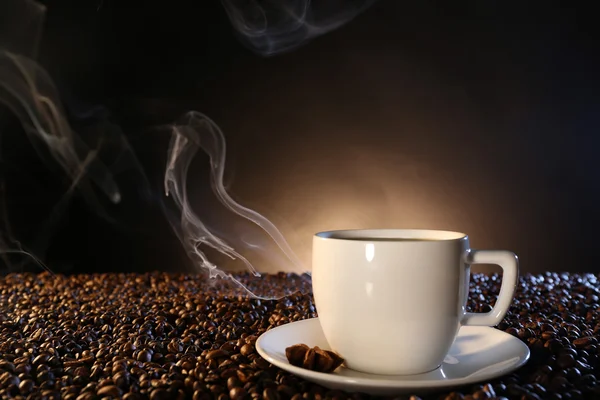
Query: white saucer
point(478, 354)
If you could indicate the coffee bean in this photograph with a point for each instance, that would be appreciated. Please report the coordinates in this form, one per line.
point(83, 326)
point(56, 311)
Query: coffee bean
point(144, 356)
point(7, 366)
point(26, 386)
point(121, 379)
point(7, 379)
point(41, 359)
point(286, 391)
point(270, 394)
point(548, 335)
point(201, 395)
point(233, 382)
point(553, 345)
point(229, 372)
point(216, 354)
point(242, 376)
point(237, 393)
point(565, 360)
point(261, 363)
point(583, 342)
point(247, 349)
point(109, 391)
point(160, 394)
point(569, 350)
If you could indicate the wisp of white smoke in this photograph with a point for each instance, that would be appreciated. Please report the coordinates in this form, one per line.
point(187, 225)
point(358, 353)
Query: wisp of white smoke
point(270, 27)
point(193, 132)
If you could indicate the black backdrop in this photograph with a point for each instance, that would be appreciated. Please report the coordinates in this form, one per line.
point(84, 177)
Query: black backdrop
point(479, 116)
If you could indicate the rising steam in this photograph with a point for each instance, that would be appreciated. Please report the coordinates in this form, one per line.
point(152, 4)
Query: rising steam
point(270, 27)
point(193, 132)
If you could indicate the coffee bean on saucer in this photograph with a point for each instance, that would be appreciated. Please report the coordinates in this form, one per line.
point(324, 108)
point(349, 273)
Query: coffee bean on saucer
point(314, 358)
point(296, 353)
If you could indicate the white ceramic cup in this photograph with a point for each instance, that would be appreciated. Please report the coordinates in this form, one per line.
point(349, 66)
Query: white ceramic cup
point(394, 307)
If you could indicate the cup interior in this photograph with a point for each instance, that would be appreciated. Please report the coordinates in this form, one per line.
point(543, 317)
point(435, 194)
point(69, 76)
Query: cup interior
point(391, 235)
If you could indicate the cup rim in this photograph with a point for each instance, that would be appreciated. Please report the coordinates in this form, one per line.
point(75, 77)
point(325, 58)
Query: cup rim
point(390, 235)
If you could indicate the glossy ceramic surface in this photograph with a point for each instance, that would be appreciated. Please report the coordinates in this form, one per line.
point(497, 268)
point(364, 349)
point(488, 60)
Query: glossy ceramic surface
point(391, 301)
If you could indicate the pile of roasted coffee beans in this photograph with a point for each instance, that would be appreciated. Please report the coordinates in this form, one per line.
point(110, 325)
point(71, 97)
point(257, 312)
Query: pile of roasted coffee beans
point(160, 336)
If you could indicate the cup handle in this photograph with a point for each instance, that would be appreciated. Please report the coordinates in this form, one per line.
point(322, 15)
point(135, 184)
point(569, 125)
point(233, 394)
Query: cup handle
point(509, 263)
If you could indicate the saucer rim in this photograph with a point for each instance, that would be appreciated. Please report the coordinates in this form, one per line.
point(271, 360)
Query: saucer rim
point(388, 383)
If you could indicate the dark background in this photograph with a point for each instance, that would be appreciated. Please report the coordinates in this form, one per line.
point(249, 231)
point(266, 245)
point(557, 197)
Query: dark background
point(478, 116)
